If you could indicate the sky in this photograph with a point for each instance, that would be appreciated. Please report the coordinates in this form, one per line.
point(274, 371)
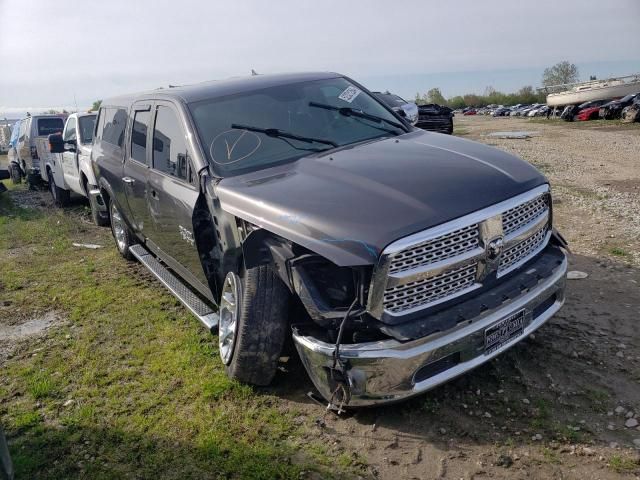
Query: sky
point(72, 52)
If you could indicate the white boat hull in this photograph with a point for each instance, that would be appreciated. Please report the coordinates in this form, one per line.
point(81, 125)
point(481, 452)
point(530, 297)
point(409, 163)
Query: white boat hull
point(593, 91)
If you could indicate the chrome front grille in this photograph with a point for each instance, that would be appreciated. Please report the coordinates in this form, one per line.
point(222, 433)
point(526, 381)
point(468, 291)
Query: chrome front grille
point(516, 217)
point(440, 248)
point(522, 250)
point(449, 260)
point(421, 292)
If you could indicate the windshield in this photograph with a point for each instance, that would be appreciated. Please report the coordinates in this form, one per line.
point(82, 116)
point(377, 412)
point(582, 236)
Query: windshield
point(277, 115)
point(86, 128)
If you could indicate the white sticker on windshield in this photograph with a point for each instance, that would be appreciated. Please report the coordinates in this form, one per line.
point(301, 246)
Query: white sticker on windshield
point(349, 94)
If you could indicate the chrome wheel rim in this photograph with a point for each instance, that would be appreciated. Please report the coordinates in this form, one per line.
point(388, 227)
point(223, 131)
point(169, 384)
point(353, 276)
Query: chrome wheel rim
point(229, 312)
point(118, 228)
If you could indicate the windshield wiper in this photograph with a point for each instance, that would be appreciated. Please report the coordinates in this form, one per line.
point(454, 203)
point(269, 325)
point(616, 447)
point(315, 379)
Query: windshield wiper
point(277, 133)
point(350, 112)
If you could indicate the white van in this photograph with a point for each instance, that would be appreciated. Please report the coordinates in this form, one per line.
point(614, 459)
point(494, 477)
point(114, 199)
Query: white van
point(26, 162)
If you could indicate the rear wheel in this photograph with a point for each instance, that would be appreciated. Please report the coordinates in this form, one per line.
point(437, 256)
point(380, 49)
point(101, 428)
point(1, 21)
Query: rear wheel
point(16, 174)
point(120, 231)
point(60, 196)
point(253, 324)
point(99, 217)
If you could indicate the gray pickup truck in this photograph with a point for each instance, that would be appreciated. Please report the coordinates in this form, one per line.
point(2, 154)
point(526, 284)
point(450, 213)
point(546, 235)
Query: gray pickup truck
point(301, 206)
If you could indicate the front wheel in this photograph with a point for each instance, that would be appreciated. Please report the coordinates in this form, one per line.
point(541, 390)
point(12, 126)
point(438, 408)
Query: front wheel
point(120, 231)
point(253, 324)
point(60, 196)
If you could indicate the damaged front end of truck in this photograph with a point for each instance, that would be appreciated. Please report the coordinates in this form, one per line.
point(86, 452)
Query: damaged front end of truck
point(424, 309)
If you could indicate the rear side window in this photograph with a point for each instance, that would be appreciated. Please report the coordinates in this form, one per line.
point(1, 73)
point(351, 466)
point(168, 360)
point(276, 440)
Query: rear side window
point(139, 136)
point(115, 121)
point(169, 146)
point(47, 126)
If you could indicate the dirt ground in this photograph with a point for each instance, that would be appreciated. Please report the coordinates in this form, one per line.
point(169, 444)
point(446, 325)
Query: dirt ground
point(564, 403)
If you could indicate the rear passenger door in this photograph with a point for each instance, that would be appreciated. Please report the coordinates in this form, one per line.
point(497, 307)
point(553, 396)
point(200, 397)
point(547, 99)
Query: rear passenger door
point(136, 169)
point(173, 194)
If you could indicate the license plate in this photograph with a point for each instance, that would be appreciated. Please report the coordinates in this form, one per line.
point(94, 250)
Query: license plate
point(505, 330)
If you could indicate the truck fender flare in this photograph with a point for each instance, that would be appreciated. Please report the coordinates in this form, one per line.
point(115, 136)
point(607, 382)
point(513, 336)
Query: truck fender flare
point(262, 247)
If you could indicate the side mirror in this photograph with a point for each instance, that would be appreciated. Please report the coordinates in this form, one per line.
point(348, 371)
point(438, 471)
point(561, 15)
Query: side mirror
point(70, 145)
point(56, 144)
point(401, 112)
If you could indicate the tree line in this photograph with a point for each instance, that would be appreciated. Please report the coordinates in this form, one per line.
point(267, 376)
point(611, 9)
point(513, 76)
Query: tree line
point(560, 73)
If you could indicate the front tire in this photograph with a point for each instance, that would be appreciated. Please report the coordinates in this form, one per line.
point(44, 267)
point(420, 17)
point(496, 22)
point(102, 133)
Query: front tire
point(253, 324)
point(60, 196)
point(16, 174)
point(120, 230)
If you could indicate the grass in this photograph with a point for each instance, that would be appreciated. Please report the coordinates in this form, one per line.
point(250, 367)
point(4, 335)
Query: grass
point(620, 464)
point(128, 384)
point(619, 252)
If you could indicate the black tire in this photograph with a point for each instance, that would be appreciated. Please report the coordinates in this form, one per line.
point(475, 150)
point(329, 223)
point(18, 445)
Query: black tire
point(120, 231)
point(262, 327)
point(33, 181)
point(61, 197)
point(16, 174)
point(100, 218)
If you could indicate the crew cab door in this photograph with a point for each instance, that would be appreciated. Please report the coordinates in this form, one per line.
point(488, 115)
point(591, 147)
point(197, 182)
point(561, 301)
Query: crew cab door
point(70, 158)
point(136, 169)
point(173, 193)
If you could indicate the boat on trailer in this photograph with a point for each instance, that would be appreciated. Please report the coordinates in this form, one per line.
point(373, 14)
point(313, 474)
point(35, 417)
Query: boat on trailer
point(575, 93)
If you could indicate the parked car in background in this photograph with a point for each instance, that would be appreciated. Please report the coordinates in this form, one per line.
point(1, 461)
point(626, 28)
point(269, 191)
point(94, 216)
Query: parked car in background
point(631, 113)
point(68, 167)
point(408, 110)
point(500, 111)
point(613, 109)
point(589, 110)
point(470, 111)
point(395, 258)
point(435, 118)
point(26, 163)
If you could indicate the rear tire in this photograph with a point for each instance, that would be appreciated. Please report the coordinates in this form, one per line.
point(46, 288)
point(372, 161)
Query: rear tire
point(60, 196)
point(16, 174)
point(100, 218)
point(258, 311)
point(121, 233)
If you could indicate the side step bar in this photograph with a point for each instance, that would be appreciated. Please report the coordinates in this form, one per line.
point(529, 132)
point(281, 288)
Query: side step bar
point(201, 310)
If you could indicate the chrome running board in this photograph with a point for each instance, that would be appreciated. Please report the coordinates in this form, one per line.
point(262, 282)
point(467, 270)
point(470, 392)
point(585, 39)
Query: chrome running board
point(180, 290)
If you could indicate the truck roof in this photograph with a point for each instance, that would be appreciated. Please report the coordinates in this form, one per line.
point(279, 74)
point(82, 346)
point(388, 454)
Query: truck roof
point(218, 88)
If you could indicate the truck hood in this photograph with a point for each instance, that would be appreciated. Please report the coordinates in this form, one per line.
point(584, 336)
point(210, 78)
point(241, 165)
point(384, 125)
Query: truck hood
point(349, 204)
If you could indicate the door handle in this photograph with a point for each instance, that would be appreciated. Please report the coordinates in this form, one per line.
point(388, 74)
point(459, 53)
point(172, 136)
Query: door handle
point(128, 180)
point(154, 195)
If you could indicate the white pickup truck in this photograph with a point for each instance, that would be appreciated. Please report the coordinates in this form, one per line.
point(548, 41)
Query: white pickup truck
point(66, 164)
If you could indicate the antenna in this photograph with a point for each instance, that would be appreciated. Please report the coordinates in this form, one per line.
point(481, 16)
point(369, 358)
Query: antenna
point(75, 101)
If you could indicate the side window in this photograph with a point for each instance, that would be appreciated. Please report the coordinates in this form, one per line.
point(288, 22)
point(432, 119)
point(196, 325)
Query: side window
point(70, 130)
point(97, 133)
point(115, 121)
point(169, 146)
point(139, 135)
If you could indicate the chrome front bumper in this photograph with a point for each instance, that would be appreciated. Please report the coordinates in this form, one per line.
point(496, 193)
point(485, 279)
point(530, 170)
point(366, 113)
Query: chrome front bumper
point(389, 370)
